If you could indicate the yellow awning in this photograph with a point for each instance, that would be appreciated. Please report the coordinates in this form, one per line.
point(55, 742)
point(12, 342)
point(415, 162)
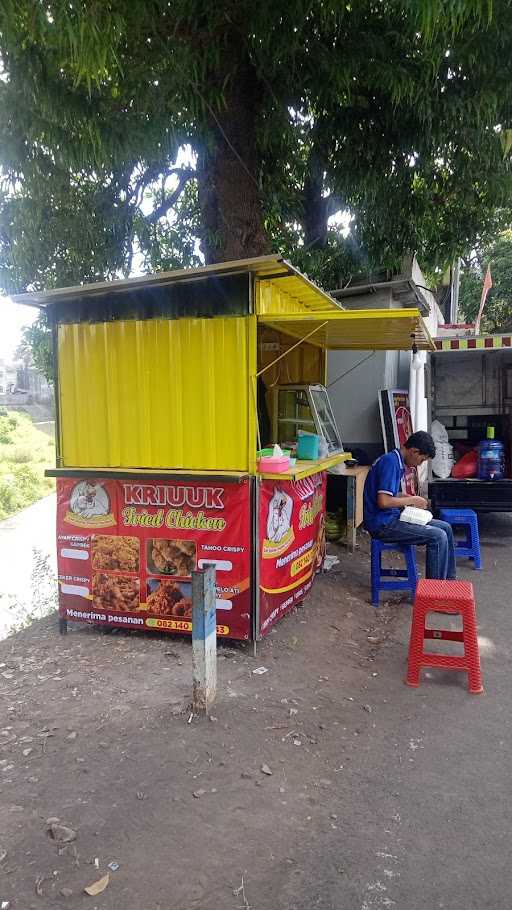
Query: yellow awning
point(355, 330)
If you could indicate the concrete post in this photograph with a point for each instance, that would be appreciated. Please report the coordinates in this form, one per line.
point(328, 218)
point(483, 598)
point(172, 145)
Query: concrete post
point(454, 299)
point(204, 639)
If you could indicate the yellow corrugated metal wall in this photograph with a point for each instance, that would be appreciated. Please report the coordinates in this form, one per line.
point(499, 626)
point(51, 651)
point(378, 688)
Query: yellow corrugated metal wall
point(156, 393)
point(271, 299)
point(291, 295)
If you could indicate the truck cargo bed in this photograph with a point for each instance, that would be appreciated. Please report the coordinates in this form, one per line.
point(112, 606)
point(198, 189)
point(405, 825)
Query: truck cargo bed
point(482, 495)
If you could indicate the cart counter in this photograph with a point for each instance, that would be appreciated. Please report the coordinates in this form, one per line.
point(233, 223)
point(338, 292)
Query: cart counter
point(303, 469)
point(291, 524)
point(128, 541)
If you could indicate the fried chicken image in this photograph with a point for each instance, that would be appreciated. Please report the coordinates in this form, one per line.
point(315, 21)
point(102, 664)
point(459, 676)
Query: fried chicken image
point(117, 553)
point(168, 600)
point(115, 592)
point(172, 557)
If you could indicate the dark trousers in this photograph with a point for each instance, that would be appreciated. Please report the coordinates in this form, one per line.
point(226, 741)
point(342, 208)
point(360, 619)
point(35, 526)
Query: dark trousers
point(437, 537)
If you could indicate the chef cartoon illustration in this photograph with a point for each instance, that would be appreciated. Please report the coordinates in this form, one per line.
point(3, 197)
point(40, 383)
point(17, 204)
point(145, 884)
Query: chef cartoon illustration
point(279, 516)
point(89, 500)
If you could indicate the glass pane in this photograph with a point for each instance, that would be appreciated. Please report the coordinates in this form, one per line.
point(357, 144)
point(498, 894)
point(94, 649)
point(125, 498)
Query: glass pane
point(294, 404)
point(325, 418)
point(306, 408)
point(293, 414)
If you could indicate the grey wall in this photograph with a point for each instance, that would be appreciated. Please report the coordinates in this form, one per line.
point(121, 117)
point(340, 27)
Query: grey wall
point(404, 368)
point(354, 397)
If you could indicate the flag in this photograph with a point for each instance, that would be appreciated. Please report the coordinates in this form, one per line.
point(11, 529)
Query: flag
point(487, 285)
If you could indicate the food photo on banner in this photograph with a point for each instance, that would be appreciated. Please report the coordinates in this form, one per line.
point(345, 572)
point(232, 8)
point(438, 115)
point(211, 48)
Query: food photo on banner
point(126, 552)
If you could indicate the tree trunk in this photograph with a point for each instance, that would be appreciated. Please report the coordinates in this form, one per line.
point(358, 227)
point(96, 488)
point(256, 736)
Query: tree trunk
point(315, 205)
point(228, 175)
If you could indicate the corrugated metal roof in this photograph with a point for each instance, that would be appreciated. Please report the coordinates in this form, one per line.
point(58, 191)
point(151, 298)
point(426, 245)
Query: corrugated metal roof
point(272, 268)
point(405, 291)
point(356, 329)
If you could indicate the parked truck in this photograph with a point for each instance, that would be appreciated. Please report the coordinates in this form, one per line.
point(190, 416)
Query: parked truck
point(469, 386)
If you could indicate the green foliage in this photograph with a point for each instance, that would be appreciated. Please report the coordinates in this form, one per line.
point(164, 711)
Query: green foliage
point(25, 453)
point(497, 315)
point(36, 346)
point(390, 110)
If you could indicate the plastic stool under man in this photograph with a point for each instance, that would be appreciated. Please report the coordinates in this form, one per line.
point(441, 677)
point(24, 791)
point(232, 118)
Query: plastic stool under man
point(393, 579)
point(467, 519)
point(435, 596)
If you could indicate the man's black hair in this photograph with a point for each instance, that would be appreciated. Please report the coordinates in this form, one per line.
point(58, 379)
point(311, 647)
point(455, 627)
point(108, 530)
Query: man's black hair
point(423, 442)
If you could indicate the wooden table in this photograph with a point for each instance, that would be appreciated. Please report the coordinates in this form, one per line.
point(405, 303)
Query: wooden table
point(349, 491)
point(355, 488)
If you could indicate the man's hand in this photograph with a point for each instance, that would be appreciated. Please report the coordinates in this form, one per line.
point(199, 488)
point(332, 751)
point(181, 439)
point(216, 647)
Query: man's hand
point(418, 502)
point(386, 501)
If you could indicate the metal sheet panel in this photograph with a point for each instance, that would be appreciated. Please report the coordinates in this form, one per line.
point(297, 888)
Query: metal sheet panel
point(275, 268)
point(155, 393)
point(209, 297)
point(292, 295)
point(383, 330)
point(459, 381)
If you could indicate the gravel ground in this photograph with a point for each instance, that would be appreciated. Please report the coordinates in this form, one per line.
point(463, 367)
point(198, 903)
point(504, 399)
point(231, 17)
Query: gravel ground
point(378, 796)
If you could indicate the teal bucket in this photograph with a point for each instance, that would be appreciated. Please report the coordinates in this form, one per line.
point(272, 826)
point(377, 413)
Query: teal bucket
point(307, 447)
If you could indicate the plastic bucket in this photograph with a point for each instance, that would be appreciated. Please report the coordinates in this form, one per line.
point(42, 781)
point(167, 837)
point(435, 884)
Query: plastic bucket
point(307, 447)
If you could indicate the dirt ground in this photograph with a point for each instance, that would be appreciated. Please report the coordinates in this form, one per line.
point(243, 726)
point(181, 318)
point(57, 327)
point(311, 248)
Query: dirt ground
point(96, 731)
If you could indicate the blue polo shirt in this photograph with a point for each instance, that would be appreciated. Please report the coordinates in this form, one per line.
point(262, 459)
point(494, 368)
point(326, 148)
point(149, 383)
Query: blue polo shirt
point(386, 476)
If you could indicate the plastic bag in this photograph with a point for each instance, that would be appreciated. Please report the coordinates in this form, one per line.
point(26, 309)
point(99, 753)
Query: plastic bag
point(438, 432)
point(467, 466)
point(442, 463)
point(323, 448)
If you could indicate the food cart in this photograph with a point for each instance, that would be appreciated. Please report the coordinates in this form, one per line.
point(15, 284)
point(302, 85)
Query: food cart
point(166, 388)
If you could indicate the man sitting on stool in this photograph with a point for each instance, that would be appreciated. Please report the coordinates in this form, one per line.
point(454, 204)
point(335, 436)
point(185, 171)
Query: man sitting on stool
point(383, 501)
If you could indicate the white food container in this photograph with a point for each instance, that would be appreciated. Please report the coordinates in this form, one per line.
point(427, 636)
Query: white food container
point(416, 516)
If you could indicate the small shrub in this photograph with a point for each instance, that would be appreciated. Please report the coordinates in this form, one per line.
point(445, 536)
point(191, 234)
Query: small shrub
point(5, 430)
point(7, 495)
point(25, 451)
point(22, 455)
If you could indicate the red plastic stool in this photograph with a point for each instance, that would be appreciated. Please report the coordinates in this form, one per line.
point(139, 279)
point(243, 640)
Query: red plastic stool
point(435, 596)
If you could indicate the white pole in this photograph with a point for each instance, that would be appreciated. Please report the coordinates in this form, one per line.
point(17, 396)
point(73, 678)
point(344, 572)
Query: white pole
point(454, 301)
point(204, 639)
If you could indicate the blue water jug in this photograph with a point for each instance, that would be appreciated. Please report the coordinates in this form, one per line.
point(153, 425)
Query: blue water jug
point(491, 458)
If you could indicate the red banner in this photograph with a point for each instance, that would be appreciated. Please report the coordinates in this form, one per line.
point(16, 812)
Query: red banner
point(126, 550)
point(291, 543)
point(396, 401)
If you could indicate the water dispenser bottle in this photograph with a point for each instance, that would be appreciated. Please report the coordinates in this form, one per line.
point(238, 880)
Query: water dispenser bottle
point(491, 458)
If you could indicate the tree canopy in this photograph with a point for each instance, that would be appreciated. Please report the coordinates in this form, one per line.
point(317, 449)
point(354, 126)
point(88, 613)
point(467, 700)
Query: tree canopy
point(290, 112)
point(497, 314)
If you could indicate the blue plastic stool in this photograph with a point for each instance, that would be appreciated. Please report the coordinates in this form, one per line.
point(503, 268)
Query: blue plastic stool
point(406, 579)
point(470, 545)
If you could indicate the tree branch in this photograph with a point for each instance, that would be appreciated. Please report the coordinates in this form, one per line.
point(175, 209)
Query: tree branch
point(334, 203)
point(185, 174)
point(152, 173)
